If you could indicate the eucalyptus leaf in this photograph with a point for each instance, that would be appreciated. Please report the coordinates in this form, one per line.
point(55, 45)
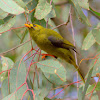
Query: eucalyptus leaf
point(88, 41)
point(43, 9)
point(11, 7)
point(8, 24)
point(52, 70)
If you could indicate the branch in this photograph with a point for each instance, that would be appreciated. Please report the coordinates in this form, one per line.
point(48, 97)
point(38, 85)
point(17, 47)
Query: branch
point(14, 48)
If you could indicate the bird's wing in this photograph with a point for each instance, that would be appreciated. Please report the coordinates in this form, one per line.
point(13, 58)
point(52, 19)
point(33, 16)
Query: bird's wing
point(60, 43)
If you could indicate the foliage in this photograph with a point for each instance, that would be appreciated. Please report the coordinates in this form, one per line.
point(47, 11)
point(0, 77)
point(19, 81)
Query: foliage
point(23, 74)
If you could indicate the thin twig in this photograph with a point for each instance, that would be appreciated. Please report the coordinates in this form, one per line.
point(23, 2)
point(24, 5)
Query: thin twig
point(73, 37)
point(12, 29)
point(14, 48)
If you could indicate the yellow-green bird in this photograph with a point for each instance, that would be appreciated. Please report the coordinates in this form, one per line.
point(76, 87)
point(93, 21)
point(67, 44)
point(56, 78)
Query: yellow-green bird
point(53, 43)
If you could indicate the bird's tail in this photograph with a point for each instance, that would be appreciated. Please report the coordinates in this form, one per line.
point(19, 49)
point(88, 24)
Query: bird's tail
point(80, 74)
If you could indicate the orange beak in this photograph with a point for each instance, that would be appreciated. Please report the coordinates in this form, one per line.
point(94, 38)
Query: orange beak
point(27, 25)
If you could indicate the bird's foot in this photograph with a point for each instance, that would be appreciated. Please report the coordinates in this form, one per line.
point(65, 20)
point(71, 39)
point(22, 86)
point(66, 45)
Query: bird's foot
point(45, 55)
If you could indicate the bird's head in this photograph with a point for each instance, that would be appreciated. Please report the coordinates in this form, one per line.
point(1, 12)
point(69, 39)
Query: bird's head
point(33, 27)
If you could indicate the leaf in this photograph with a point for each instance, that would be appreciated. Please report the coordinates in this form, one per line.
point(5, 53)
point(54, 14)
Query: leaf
point(97, 88)
point(7, 63)
point(17, 78)
point(80, 93)
point(52, 70)
point(11, 6)
point(98, 14)
point(1, 21)
point(41, 22)
point(43, 9)
point(10, 95)
point(96, 66)
point(96, 34)
point(46, 86)
point(88, 41)
point(80, 13)
point(21, 3)
point(4, 88)
point(87, 83)
point(52, 12)
point(65, 13)
point(84, 4)
point(2, 14)
point(24, 34)
point(8, 25)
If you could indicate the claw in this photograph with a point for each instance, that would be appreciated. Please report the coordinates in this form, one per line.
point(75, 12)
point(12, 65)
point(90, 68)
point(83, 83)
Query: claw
point(45, 55)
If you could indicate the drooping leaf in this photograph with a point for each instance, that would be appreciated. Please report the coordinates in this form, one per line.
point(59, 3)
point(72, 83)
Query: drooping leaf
point(7, 63)
point(97, 13)
point(52, 12)
point(96, 34)
point(80, 13)
point(17, 78)
point(41, 22)
point(4, 88)
point(8, 24)
point(80, 93)
point(97, 88)
point(21, 3)
point(45, 86)
point(52, 70)
point(88, 41)
point(87, 83)
point(10, 96)
point(43, 9)
point(3, 14)
point(11, 7)
point(84, 4)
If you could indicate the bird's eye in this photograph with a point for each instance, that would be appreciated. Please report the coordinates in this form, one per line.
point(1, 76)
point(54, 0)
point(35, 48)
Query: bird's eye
point(34, 25)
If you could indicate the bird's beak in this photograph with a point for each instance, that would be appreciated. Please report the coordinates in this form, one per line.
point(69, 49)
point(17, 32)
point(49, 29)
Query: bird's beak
point(27, 25)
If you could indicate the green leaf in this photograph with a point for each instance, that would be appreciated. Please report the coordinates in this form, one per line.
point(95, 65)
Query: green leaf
point(46, 86)
point(11, 96)
point(96, 34)
point(40, 22)
point(17, 78)
point(96, 66)
point(65, 13)
point(88, 41)
point(87, 83)
point(2, 14)
point(80, 93)
point(52, 70)
point(1, 21)
point(98, 14)
point(11, 6)
point(8, 24)
point(80, 13)
point(7, 63)
point(4, 88)
point(84, 4)
point(97, 88)
point(43, 9)
point(52, 12)
point(24, 34)
point(21, 3)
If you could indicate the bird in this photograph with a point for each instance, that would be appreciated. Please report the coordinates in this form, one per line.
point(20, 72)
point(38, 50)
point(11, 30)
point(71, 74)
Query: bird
point(54, 44)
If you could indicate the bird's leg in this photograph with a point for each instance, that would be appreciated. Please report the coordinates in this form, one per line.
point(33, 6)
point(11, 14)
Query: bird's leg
point(45, 55)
